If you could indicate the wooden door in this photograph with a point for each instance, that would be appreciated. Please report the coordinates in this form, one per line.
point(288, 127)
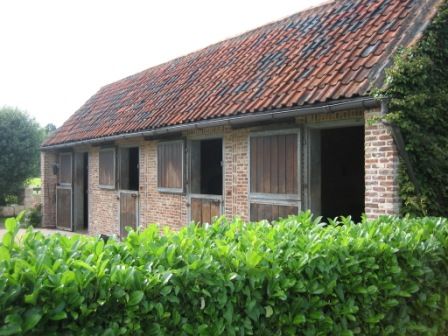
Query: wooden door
point(205, 208)
point(274, 176)
point(128, 211)
point(64, 193)
point(271, 212)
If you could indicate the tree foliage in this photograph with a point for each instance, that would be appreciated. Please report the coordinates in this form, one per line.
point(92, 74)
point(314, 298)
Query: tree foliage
point(20, 138)
point(49, 129)
point(417, 85)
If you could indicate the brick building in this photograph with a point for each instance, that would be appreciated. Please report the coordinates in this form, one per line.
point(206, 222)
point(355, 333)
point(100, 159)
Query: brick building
point(260, 126)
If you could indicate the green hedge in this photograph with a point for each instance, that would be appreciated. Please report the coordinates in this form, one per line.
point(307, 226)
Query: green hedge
point(296, 277)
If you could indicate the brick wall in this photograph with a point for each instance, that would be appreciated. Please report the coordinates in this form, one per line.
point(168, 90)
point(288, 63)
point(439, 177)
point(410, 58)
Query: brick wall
point(381, 168)
point(381, 163)
point(236, 174)
point(48, 192)
point(103, 203)
point(172, 209)
point(168, 209)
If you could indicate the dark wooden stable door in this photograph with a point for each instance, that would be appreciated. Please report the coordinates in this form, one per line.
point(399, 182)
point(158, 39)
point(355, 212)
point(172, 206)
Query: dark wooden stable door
point(273, 164)
point(274, 187)
point(128, 211)
point(271, 212)
point(64, 208)
point(204, 209)
point(64, 195)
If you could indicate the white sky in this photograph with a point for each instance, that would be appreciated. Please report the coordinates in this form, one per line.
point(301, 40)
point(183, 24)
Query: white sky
point(55, 54)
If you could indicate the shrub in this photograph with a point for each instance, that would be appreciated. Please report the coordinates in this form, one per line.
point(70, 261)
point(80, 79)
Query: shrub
point(33, 216)
point(296, 277)
point(11, 199)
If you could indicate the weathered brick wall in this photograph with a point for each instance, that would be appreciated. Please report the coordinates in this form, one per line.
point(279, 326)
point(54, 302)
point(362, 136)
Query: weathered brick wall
point(381, 164)
point(103, 203)
point(236, 173)
point(32, 197)
point(167, 209)
point(381, 168)
point(48, 191)
point(172, 209)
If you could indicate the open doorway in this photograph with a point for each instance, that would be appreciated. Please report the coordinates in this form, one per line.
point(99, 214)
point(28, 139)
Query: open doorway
point(337, 172)
point(86, 192)
point(81, 192)
point(206, 167)
point(129, 174)
point(206, 176)
point(129, 181)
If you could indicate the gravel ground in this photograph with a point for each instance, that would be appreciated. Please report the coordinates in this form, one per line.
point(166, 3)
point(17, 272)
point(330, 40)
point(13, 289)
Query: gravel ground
point(44, 231)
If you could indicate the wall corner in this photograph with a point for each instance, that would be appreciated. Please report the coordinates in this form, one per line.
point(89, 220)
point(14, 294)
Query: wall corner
point(381, 167)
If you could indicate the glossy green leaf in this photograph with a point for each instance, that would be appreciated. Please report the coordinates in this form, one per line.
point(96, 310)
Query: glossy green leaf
point(135, 297)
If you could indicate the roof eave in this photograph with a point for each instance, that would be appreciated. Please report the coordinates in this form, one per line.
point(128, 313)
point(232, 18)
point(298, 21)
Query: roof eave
point(247, 118)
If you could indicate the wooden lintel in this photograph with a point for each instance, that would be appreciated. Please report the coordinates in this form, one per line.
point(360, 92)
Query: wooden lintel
point(104, 144)
point(274, 123)
point(165, 136)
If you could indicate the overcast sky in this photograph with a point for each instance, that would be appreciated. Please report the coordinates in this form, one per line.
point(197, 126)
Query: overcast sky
point(56, 54)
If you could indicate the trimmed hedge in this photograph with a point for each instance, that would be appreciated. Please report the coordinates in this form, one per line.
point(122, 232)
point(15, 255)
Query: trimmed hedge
point(295, 277)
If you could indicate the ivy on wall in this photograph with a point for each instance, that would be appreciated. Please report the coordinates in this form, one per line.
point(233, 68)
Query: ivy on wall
point(417, 85)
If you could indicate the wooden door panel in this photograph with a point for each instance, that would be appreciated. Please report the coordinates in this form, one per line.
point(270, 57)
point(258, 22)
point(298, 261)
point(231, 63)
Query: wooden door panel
point(206, 218)
point(64, 195)
point(273, 164)
point(203, 210)
point(196, 210)
point(271, 212)
point(215, 209)
point(64, 208)
point(128, 211)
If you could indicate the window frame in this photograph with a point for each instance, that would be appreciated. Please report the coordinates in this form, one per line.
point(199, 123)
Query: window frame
point(162, 189)
point(114, 169)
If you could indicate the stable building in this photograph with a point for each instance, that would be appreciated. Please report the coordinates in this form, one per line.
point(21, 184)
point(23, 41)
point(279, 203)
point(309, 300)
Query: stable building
point(263, 125)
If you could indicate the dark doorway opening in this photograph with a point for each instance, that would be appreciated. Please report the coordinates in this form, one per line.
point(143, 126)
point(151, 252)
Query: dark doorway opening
point(128, 172)
point(206, 167)
point(80, 191)
point(342, 172)
point(86, 191)
point(129, 168)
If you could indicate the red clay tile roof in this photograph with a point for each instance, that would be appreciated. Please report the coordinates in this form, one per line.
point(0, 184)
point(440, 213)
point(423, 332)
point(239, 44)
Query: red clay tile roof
point(326, 53)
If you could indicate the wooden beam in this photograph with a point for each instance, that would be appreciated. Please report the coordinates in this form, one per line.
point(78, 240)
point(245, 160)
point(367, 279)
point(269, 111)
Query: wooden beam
point(267, 124)
point(165, 136)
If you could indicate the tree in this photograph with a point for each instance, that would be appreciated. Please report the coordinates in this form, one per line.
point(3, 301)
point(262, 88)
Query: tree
point(20, 138)
point(49, 129)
